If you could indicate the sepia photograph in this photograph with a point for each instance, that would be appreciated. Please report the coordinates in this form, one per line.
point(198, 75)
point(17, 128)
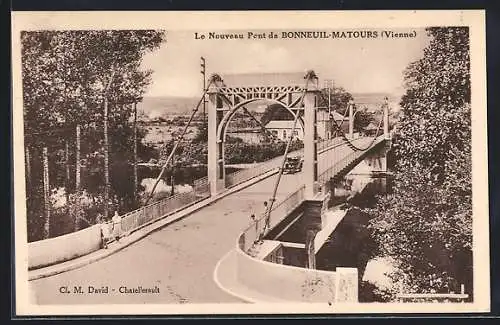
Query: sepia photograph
point(258, 162)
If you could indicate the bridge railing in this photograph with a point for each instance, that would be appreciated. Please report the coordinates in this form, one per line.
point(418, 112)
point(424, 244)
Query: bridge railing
point(336, 168)
point(137, 218)
point(258, 169)
point(201, 185)
point(323, 144)
point(264, 167)
point(243, 175)
point(278, 213)
point(343, 163)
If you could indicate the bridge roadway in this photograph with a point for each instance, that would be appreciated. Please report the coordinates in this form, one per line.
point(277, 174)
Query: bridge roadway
point(179, 259)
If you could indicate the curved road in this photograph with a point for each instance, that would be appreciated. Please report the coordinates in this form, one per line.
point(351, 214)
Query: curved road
point(178, 259)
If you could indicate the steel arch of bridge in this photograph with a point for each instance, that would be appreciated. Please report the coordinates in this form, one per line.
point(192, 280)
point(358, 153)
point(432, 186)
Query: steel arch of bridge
point(225, 101)
point(222, 127)
point(288, 96)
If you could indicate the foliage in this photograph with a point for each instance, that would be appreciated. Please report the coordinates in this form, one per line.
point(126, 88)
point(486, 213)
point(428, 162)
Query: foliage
point(339, 98)
point(236, 152)
point(242, 153)
point(426, 224)
point(201, 133)
point(65, 76)
point(276, 112)
point(84, 209)
point(369, 292)
point(362, 119)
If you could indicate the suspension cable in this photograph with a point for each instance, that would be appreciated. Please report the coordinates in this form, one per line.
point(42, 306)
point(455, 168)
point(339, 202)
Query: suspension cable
point(176, 144)
point(276, 184)
point(339, 128)
point(262, 127)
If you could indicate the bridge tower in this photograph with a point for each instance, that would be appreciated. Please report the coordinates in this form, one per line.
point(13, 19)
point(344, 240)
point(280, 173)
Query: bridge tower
point(216, 172)
point(351, 119)
point(386, 118)
point(313, 198)
point(224, 101)
point(310, 139)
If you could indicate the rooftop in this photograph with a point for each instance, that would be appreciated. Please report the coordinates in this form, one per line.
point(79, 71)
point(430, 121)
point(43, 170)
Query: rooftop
point(282, 124)
point(339, 117)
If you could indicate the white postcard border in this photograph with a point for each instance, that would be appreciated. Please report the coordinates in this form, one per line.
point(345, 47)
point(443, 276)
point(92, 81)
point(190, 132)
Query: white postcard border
point(310, 20)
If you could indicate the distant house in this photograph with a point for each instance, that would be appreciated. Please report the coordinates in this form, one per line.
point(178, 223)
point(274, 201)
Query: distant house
point(325, 126)
point(252, 135)
point(283, 129)
point(327, 123)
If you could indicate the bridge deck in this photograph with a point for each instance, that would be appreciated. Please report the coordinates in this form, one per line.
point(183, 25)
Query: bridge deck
point(179, 259)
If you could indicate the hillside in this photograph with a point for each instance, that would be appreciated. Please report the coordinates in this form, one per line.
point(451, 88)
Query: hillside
point(373, 100)
point(154, 107)
point(158, 106)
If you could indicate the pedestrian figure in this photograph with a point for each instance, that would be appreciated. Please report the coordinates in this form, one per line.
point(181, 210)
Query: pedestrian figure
point(267, 216)
point(117, 224)
point(267, 223)
point(105, 234)
point(104, 230)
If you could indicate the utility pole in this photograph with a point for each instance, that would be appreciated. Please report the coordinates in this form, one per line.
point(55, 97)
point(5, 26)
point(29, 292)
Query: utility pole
point(329, 85)
point(203, 72)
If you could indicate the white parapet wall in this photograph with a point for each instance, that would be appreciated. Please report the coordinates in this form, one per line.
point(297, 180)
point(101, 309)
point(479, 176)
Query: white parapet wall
point(62, 248)
point(286, 282)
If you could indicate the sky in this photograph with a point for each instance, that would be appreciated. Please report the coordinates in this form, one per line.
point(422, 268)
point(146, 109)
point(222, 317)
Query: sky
point(358, 65)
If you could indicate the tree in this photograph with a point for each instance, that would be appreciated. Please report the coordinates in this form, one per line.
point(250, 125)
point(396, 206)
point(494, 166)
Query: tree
point(65, 74)
point(339, 98)
point(426, 224)
point(362, 119)
point(276, 112)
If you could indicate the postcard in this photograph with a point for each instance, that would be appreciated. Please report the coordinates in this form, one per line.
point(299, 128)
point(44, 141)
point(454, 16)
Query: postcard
point(250, 162)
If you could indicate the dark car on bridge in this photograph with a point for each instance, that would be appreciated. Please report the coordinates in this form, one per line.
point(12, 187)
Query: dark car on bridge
point(293, 165)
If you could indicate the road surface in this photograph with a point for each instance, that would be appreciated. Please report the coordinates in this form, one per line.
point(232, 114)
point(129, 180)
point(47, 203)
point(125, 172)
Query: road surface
point(179, 259)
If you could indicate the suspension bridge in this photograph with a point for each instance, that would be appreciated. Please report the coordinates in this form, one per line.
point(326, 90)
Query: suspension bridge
point(217, 249)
